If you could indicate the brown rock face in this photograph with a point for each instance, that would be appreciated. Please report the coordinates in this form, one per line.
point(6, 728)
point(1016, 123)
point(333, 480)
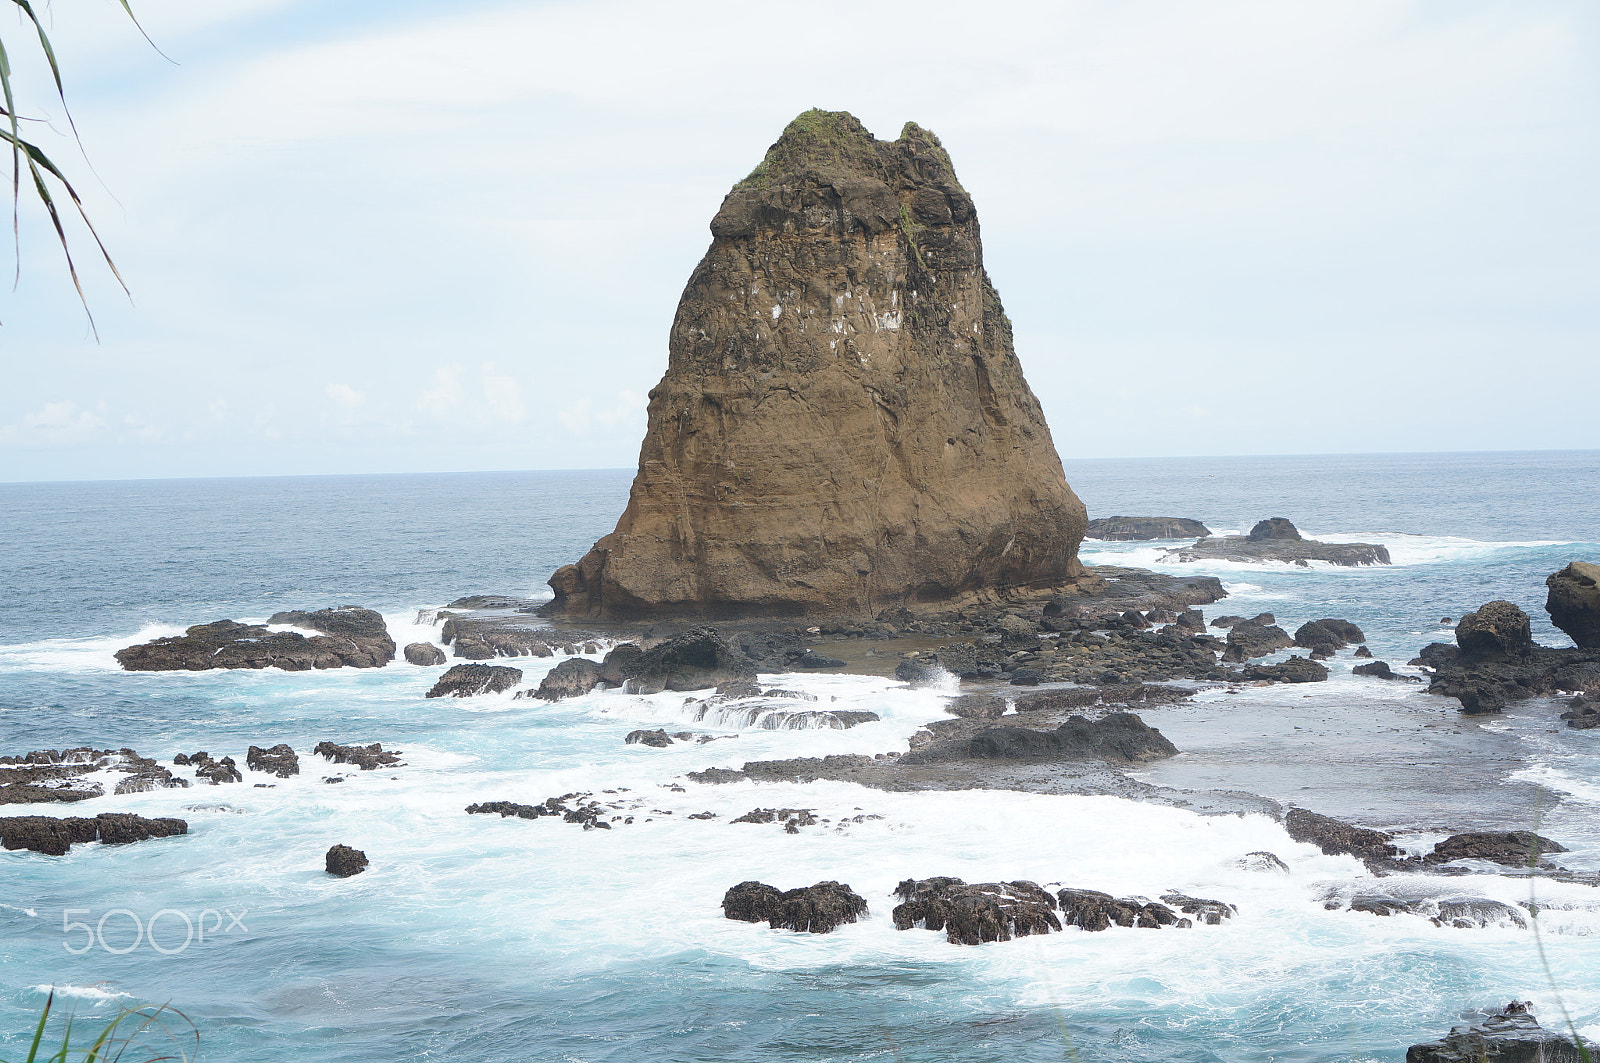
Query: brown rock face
point(843, 426)
point(1574, 602)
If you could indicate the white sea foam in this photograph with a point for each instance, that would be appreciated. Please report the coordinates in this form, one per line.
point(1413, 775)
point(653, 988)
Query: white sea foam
point(93, 994)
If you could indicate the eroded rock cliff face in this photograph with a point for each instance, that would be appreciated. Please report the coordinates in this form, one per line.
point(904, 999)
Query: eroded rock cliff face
point(843, 426)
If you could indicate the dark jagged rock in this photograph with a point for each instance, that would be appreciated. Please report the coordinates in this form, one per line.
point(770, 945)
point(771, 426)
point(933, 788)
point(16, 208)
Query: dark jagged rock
point(1092, 910)
point(1497, 631)
point(367, 758)
point(792, 818)
point(484, 638)
point(1460, 911)
point(1275, 529)
point(1581, 715)
point(1124, 529)
point(1261, 860)
point(751, 901)
point(657, 738)
point(226, 644)
point(1495, 661)
point(698, 659)
point(344, 861)
point(816, 909)
point(1251, 638)
point(1211, 913)
point(1106, 588)
point(508, 809)
point(841, 321)
point(348, 621)
point(1339, 839)
point(217, 771)
point(1381, 670)
point(1294, 670)
point(920, 674)
point(1327, 634)
point(1505, 1038)
point(1276, 539)
point(280, 760)
point(1117, 737)
point(571, 678)
point(424, 654)
point(1574, 602)
point(971, 915)
point(613, 669)
point(470, 680)
point(1519, 848)
point(53, 837)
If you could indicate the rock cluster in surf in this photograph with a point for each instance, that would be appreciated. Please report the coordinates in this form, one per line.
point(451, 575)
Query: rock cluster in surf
point(843, 427)
point(1277, 539)
point(347, 637)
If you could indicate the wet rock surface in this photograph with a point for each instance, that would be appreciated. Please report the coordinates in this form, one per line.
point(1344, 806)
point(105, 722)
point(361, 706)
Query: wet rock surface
point(1336, 838)
point(358, 638)
point(1504, 1038)
point(470, 680)
point(1092, 910)
point(367, 758)
point(1512, 848)
point(343, 861)
point(53, 837)
point(570, 679)
point(280, 760)
point(1126, 529)
point(817, 909)
point(973, 914)
point(424, 654)
point(484, 638)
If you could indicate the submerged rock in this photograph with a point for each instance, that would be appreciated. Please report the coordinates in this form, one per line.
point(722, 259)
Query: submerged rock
point(1124, 529)
point(841, 321)
point(1293, 670)
point(816, 909)
point(657, 738)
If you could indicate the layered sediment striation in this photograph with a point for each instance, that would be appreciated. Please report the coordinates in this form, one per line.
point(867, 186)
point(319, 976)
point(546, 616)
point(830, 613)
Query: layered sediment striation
point(843, 426)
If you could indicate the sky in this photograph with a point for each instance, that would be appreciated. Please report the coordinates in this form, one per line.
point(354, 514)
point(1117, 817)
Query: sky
point(395, 236)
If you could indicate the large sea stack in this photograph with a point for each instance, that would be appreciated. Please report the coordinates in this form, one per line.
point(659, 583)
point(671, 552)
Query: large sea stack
point(843, 427)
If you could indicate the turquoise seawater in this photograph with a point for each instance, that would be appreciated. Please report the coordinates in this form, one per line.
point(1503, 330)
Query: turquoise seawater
point(477, 938)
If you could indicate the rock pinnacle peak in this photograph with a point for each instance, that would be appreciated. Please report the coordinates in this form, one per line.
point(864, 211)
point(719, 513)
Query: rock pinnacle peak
point(843, 427)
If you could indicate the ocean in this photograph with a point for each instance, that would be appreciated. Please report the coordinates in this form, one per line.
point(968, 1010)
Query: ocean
point(479, 938)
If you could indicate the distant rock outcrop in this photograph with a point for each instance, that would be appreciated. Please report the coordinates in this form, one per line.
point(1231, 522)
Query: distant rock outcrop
point(1125, 529)
point(351, 637)
point(843, 427)
point(1276, 539)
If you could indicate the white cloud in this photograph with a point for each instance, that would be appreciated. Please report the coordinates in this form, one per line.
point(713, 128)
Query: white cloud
point(56, 424)
point(624, 409)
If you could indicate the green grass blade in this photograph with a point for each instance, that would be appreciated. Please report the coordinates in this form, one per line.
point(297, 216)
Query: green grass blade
point(38, 1034)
